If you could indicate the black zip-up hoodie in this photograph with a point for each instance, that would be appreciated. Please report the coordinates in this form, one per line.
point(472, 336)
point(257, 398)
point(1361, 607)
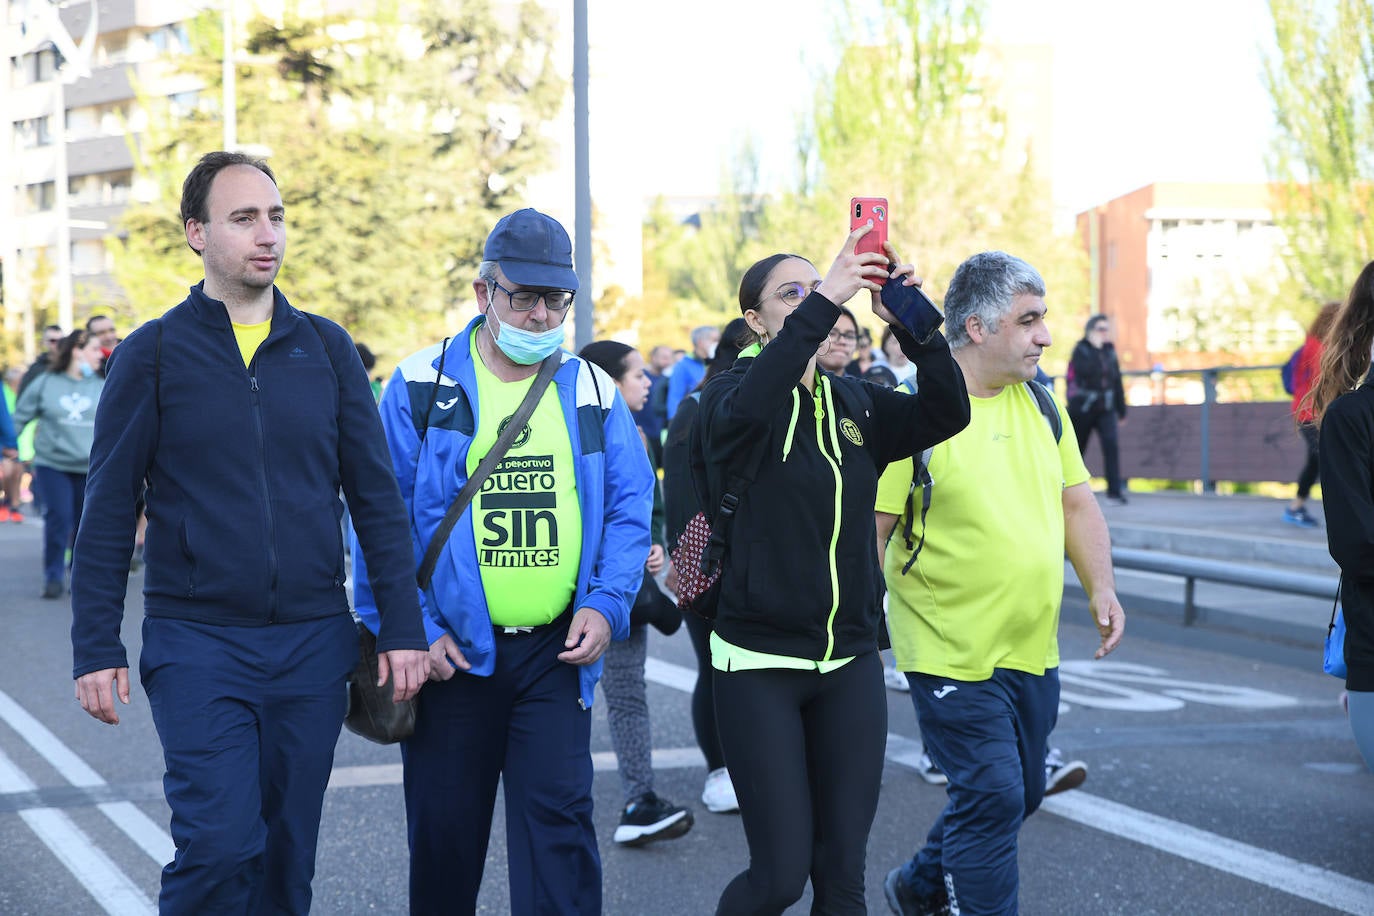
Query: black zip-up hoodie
point(243, 466)
point(1347, 450)
point(801, 576)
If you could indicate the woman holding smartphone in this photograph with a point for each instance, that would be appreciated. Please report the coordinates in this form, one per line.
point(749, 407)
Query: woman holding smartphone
point(800, 704)
point(1342, 405)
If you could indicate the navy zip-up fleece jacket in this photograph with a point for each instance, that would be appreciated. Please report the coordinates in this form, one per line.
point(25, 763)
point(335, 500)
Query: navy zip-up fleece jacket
point(243, 466)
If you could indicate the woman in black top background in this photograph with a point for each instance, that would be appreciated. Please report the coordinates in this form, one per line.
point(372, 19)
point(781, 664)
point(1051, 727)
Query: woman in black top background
point(1342, 404)
point(1097, 401)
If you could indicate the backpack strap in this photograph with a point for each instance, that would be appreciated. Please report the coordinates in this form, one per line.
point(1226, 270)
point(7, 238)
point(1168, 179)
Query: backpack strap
point(1045, 401)
point(922, 481)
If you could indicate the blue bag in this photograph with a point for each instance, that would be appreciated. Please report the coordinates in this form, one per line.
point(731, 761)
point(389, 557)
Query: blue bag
point(1290, 371)
point(1333, 660)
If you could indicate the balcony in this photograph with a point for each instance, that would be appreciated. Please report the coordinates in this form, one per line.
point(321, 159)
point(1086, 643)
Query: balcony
point(104, 85)
point(117, 15)
point(98, 154)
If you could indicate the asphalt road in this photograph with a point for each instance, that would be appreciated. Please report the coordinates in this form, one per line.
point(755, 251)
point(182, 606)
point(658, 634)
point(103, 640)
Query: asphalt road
point(1222, 780)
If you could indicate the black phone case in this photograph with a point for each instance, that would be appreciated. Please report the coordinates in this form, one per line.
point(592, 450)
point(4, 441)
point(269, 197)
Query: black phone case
point(914, 309)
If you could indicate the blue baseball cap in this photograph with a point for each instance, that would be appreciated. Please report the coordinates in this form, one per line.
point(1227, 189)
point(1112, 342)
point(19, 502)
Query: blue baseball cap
point(533, 249)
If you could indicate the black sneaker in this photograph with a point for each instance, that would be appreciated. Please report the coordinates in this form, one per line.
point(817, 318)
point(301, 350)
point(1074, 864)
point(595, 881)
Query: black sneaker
point(650, 818)
point(903, 901)
point(52, 588)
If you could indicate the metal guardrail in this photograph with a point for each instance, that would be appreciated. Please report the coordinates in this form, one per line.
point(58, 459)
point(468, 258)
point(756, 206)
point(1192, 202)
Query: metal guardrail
point(1192, 568)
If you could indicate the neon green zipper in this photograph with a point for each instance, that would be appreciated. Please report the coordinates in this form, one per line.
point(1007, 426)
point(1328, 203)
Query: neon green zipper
point(821, 395)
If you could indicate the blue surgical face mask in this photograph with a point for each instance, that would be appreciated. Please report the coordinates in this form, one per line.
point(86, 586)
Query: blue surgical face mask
point(87, 370)
point(524, 347)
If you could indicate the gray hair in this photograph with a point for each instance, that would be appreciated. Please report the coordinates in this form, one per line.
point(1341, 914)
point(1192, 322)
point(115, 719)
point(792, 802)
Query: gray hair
point(984, 286)
point(486, 272)
point(701, 333)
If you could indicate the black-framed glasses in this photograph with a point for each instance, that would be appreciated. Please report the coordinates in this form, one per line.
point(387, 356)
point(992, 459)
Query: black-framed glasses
point(522, 300)
point(848, 337)
point(792, 294)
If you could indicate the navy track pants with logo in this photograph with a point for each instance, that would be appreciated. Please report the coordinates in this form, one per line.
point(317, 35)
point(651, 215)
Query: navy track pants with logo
point(989, 737)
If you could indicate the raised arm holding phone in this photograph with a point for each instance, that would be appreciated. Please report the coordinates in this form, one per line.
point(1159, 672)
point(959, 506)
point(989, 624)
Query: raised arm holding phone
point(798, 681)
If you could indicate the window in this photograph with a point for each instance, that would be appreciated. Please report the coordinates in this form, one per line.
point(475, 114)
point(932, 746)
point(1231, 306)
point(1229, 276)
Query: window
point(32, 133)
point(170, 39)
point(39, 198)
point(184, 104)
point(101, 190)
point(89, 257)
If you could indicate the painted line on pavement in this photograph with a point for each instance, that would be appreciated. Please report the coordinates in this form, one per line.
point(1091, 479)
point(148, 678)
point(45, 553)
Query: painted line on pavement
point(1309, 882)
point(128, 817)
point(102, 879)
point(1319, 885)
point(389, 774)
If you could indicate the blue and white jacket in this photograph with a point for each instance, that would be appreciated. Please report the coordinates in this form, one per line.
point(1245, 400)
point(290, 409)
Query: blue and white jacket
point(614, 490)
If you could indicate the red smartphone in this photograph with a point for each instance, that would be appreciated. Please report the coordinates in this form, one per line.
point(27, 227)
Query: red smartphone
point(861, 210)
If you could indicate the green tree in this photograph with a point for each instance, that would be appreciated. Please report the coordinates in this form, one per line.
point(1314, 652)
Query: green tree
point(1320, 79)
point(398, 140)
point(908, 114)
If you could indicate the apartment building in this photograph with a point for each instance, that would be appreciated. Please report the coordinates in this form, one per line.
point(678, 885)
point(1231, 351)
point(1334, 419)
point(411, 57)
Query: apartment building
point(1188, 268)
point(68, 117)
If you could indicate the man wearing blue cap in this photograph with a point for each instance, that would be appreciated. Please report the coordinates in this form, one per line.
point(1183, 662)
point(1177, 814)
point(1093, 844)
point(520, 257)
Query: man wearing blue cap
point(533, 582)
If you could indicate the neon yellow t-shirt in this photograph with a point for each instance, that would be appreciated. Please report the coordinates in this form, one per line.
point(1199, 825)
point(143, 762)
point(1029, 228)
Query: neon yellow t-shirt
point(986, 588)
point(526, 521)
point(250, 337)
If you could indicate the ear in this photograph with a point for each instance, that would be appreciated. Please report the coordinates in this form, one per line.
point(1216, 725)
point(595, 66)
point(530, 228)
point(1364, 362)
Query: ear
point(195, 235)
point(479, 288)
point(755, 322)
point(977, 332)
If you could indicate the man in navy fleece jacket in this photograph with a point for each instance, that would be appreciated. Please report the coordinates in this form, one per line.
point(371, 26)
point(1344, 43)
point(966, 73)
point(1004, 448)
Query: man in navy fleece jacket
point(244, 417)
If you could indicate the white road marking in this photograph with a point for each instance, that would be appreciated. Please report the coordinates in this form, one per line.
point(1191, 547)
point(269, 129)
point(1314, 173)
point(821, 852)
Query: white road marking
point(103, 880)
point(389, 774)
point(128, 817)
point(1261, 866)
point(1309, 882)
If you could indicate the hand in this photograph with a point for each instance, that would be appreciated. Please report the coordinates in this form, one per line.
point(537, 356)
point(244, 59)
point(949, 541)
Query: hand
point(655, 561)
point(1110, 620)
point(93, 689)
point(907, 271)
point(445, 659)
point(670, 580)
point(588, 637)
point(408, 669)
point(852, 271)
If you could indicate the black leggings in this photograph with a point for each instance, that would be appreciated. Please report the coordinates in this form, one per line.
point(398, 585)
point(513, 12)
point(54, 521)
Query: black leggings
point(1310, 470)
point(805, 752)
point(703, 694)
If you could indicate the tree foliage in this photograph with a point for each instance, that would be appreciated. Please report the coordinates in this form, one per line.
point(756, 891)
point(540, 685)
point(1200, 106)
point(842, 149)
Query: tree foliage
point(908, 114)
point(398, 141)
point(1320, 79)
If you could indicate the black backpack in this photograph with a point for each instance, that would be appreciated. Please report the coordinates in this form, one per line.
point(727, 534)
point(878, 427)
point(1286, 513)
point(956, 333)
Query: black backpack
point(921, 479)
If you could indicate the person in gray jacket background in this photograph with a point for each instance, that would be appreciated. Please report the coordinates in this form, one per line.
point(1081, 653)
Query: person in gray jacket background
point(64, 399)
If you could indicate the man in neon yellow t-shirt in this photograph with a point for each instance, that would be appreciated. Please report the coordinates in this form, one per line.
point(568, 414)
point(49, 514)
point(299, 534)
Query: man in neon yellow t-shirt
point(974, 615)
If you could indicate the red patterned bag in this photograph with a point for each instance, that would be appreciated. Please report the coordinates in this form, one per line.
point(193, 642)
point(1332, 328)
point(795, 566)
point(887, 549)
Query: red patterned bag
point(698, 576)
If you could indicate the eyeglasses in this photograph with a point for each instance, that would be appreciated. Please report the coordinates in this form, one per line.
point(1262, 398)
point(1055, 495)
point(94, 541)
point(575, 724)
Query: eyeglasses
point(792, 294)
point(848, 337)
point(522, 300)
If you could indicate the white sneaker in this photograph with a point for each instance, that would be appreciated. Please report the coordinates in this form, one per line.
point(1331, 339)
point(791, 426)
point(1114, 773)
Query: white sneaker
point(1061, 776)
point(928, 771)
point(719, 794)
point(895, 680)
